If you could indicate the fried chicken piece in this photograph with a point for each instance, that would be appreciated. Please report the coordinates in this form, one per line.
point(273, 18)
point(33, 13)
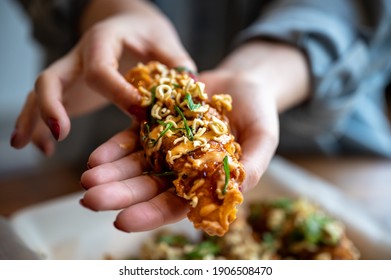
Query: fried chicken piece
point(188, 136)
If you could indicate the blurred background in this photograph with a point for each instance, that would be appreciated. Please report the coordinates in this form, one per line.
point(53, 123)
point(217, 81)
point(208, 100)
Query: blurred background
point(26, 177)
point(20, 62)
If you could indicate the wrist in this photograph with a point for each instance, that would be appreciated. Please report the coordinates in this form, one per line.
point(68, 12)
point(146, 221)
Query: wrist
point(281, 70)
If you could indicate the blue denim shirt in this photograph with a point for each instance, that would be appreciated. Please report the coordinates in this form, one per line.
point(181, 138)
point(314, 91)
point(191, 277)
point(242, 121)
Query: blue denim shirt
point(348, 44)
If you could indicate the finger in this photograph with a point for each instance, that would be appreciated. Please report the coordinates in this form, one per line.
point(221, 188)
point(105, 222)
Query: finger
point(121, 194)
point(25, 122)
point(173, 54)
point(115, 148)
point(50, 87)
point(100, 60)
point(127, 167)
point(163, 209)
point(258, 149)
point(43, 139)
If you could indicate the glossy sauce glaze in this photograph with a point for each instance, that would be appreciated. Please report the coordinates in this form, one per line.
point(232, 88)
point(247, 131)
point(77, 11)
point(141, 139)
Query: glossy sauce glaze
point(188, 135)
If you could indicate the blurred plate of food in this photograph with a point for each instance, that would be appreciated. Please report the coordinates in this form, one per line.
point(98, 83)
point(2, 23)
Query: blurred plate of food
point(290, 214)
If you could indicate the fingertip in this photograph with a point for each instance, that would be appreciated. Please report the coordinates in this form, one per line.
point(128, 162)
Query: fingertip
point(118, 226)
point(46, 148)
point(15, 140)
point(19, 138)
point(58, 126)
point(83, 203)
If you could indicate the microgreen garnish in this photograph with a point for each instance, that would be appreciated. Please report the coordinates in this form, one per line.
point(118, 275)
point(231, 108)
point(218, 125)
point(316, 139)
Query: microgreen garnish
point(190, 102)
point(146, 132)
point(166, 128)
point(187, 128)
point(153, 99)
point(227, 173)
point(166, 173)
point(171, 128)
point(182, 69)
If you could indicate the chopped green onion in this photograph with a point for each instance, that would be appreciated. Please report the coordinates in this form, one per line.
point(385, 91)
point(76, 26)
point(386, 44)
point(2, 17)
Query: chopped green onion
point(153, 95)
point(175, 85)
point(167, 128)
point(161, 122)
point(187, 128)
point(166, 173)
point(182, 69)
point(153, 99)
point(146, 132)
point(227, 174)
point(190, 102)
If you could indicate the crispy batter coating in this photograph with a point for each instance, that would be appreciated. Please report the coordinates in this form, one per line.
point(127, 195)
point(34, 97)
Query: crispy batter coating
point(188, 136)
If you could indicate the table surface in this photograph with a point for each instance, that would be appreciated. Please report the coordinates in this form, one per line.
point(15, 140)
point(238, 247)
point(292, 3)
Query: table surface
point(367, 180)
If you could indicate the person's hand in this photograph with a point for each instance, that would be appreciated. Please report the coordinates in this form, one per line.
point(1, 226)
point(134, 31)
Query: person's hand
point(116, 181)
point(89, 76)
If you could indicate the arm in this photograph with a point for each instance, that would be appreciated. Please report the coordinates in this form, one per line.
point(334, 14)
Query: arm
point(346, 46)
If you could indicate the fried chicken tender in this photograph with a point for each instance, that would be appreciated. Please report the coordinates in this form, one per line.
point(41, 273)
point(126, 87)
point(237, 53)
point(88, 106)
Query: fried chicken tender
point(187, 136)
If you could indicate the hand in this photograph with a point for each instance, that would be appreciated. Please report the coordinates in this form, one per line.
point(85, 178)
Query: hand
point(88, 76)
point(115, 180)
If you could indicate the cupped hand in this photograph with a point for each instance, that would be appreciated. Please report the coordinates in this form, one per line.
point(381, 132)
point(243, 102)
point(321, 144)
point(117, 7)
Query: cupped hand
point(116, 180)
point(89, 76)
point(263, 79)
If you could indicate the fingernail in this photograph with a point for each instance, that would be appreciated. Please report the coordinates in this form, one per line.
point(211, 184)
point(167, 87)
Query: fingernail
point(117, 227)
point(54, 128)
point(138, 112)
point(193, 76)
point(84, 187)
point(82, 203)
point(41, 147)
point(14, 137)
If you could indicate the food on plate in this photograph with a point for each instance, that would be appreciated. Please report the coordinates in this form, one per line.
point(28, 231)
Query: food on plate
point(187, 136)
point(275, 229)
point(298, 229)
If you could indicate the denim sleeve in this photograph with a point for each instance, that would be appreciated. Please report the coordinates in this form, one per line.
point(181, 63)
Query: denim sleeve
point(347, 44)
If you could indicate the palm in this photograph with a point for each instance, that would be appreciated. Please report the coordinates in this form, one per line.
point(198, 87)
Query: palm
point(254, 119)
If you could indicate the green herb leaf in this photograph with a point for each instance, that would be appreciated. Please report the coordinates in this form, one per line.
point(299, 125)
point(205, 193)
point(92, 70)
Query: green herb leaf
point(227, 174)
point(312, 228)
point(173, 239)
point(190, 102)
point(283, 203)
point(182, 69)
point(203, 249)
point(187, 128)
